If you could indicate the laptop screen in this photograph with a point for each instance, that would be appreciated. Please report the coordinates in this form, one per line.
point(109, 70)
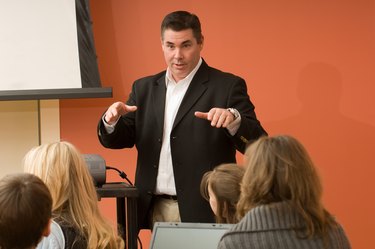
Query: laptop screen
point(167, 235)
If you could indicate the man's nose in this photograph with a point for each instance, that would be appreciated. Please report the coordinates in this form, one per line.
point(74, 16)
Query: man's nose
point(178, 54)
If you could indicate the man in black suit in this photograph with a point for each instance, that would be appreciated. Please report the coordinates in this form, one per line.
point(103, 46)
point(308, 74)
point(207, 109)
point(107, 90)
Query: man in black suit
point(183, 121)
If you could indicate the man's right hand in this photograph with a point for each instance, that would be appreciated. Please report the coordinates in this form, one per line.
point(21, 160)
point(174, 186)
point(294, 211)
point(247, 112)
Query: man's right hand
point(116, 110)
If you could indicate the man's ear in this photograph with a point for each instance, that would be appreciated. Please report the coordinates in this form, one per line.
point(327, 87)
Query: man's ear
point(202, 42)
point(162, 43)
point(47, 229)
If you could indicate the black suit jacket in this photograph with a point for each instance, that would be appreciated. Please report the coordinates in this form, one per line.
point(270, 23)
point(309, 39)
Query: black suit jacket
point(196, 147)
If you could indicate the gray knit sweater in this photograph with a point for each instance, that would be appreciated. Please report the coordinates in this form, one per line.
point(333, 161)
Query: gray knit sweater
point(271, 226)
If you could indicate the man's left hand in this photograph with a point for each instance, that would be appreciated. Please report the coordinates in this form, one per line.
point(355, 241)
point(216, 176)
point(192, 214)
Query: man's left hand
point(219, 117)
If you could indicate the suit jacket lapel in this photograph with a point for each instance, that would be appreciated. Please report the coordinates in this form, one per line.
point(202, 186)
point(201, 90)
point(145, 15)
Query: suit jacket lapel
point(159, 100)
point(195, 91)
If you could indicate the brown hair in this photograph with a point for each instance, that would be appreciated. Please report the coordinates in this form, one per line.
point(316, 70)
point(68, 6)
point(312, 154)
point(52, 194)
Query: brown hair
point(279, 169)
point(224, 181)
point(25, 210)
point(182, 20)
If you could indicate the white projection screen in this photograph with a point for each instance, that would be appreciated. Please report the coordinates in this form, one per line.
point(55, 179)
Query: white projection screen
point(47, 50)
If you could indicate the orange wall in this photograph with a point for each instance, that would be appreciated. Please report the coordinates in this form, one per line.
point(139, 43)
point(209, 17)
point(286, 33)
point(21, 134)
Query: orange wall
point(309, 66)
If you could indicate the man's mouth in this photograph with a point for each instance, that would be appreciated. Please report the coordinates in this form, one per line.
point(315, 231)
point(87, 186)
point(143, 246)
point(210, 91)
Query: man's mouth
point(179, 64)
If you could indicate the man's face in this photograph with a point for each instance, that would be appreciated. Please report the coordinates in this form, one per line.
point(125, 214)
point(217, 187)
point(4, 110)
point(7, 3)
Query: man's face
point(181, 52)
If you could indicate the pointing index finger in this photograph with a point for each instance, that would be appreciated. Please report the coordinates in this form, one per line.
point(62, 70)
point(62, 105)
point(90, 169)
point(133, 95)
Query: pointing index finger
point(202, 115)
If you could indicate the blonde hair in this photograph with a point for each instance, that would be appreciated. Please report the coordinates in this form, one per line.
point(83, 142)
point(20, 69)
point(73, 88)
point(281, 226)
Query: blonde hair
point(61, 166)
point(279, 169)
point(224, 181)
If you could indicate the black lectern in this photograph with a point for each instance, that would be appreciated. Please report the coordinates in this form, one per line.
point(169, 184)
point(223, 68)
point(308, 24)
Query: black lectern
point(126, 201)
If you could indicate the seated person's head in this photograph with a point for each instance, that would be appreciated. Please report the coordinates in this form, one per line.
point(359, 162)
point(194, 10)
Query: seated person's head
point(63, 169)
point(25, 211)
point(221, 187)
point(280, 169)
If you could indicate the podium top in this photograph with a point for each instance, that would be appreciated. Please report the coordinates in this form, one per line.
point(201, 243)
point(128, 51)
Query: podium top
point(117, 189)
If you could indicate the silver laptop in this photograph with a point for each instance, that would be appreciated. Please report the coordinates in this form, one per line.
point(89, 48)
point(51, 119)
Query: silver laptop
point(167, 235)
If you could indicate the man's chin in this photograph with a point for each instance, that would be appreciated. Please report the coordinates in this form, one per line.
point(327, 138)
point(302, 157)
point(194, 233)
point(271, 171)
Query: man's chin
point(178, 75)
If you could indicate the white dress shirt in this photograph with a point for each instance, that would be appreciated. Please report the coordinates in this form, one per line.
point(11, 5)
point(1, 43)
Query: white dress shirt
point(175, 93)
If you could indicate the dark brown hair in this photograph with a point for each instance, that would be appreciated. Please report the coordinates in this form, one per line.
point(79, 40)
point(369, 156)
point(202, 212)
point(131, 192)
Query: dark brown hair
point(25, 210)
point(182, 20)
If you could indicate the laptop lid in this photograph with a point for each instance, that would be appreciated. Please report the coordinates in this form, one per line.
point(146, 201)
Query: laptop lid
point(183, 235)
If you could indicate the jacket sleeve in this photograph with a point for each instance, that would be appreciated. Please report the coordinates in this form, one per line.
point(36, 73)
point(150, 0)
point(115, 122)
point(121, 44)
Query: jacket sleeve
point(250, 128)
point(123, 135)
